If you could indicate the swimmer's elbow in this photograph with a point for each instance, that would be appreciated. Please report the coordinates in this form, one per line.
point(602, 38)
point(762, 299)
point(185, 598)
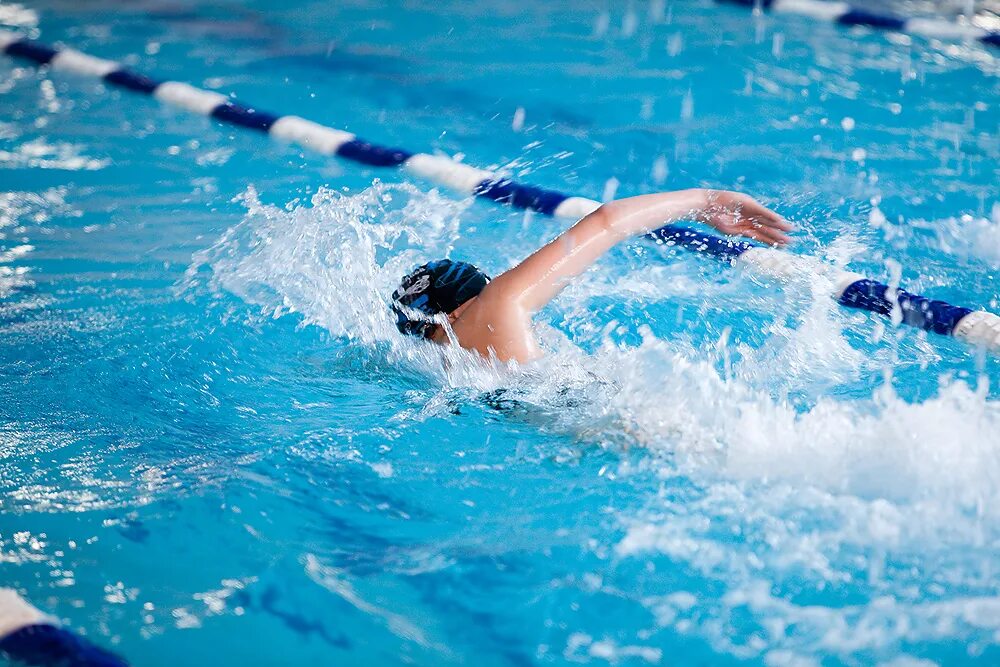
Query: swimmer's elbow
point(602, 217)
point(608, 220)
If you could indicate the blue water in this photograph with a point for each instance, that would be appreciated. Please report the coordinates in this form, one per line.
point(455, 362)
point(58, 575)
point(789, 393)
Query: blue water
point(215, 449)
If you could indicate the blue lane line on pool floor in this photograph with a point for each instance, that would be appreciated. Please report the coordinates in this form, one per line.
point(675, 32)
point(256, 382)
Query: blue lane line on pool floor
point(849, 289)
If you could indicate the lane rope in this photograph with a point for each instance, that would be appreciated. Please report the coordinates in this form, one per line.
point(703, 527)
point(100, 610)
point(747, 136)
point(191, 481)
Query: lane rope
point(29, 637)
point(853, 290)
point(846, 14)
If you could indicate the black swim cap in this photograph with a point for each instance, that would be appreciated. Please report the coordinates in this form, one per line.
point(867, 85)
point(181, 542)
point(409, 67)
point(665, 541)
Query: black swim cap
point(436, 287)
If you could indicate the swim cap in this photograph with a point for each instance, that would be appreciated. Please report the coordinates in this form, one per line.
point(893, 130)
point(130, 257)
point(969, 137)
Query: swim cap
point(436, 287)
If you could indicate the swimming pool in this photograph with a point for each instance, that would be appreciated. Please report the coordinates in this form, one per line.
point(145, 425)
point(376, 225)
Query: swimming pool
point(216, 446)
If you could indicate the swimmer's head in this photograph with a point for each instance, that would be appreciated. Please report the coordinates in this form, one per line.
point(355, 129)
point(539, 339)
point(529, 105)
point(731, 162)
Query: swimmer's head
point(435, 288)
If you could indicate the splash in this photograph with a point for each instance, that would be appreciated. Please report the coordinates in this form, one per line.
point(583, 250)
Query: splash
point(334, 262)
point(970, 236)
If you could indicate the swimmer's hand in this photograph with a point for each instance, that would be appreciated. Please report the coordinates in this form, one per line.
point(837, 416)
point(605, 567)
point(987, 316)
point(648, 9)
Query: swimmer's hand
point(737, 214)
point(731, 213)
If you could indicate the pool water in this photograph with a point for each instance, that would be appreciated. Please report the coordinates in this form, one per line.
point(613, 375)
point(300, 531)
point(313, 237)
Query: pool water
point(216, 448)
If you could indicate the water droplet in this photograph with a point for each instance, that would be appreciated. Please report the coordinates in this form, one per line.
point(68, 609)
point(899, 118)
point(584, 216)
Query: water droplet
point(630, 22)
point(646, 112)
point(777, 44)
point(656, 10)
point(517, 124)
point(674, 44)
point(601, 24)
point(610, 188)
point(687, 106)
point(876, 218)
point(660, 170)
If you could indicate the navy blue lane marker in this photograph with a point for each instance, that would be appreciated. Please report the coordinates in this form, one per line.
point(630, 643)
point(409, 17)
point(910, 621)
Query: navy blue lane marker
point(237, 114)
point(861, 17)
point(725, 249)
point(139, 83)
point(32, 50)
point(917, 311)
point(46, 645)
point(506, 191)
point(373, 155)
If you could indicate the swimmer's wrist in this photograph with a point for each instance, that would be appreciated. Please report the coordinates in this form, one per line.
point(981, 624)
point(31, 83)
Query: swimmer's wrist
point(634, 216)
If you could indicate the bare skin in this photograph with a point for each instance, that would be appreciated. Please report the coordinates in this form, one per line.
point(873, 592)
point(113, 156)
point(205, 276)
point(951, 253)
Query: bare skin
point(497, 323)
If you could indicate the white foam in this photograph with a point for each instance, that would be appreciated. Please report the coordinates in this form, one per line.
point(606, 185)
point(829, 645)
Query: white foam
point(968, 236)
point(804, 492)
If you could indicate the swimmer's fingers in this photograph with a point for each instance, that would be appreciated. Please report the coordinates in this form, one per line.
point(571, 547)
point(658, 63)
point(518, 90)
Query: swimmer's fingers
point(760, 214)
point(737, 223)
point(764, 233)
point(747, 217)
point(770, 227)
point(756, 232)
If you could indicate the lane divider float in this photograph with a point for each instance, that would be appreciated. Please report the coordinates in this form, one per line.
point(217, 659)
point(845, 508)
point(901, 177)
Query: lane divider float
point(29, 637)
point(853, 290)
point(846, 14)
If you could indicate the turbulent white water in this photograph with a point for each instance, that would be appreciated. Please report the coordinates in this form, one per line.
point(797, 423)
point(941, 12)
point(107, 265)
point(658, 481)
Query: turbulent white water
point(334, 263)
point(830, 493)
point(972, 236)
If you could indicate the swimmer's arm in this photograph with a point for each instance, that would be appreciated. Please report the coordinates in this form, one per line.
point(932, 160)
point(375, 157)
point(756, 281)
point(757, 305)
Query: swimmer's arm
point(539, 278)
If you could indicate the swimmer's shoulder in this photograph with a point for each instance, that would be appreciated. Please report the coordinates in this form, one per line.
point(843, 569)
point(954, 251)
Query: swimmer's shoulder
point(494, 326)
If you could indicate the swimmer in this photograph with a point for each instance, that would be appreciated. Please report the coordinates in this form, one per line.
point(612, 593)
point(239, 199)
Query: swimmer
point(493, 317)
